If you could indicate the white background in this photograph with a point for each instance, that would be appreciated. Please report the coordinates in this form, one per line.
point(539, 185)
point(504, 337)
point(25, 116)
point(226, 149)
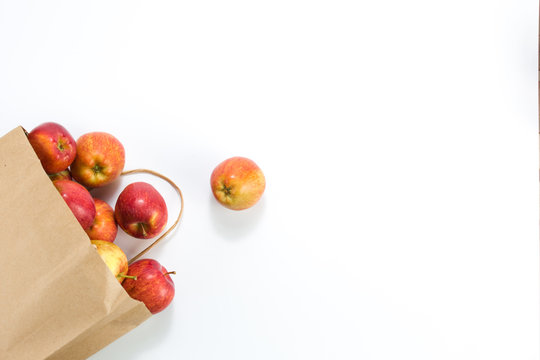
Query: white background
point(399, 140)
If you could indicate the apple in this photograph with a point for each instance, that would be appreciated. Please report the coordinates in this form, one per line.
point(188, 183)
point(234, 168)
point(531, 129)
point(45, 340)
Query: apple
point(79, 201)
point(141, 211)
point(104, 226)
point(54, 146)
point(150, 283)
point(62, 175)
point(100, 159)
point(114, 258)
point(237, 183)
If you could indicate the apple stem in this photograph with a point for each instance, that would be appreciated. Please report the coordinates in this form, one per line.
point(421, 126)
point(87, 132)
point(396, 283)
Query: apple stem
point(141, 226)
point(97, 168)
point(128, 276)
point(170, 272)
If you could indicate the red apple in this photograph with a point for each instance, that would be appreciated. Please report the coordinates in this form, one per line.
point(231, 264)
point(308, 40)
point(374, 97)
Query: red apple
point(62, 175)
point(100, 159)
point(104, 226)
point(237, 183)
point(141, 211)
point(79, 201)
point(152, 285)
point(54, 146)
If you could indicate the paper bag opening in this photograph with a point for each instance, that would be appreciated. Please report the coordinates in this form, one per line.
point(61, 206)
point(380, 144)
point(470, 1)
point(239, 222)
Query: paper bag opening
point(58, 299)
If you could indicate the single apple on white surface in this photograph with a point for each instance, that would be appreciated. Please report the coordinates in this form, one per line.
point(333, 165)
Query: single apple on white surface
point(141, 211)
point(237, 183)
point(79, 201)
point(54, 146)
point(100, 159)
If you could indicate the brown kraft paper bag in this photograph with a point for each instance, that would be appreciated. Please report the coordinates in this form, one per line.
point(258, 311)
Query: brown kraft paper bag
point(58, 299)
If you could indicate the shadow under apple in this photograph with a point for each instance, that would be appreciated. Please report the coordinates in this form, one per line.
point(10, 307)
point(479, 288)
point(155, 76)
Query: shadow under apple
point(234, 225)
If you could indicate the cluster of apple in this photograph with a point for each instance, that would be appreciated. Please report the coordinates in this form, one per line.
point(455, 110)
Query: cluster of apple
point(95, 160)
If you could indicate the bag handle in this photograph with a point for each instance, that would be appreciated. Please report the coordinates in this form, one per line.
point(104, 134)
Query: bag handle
point(167, 232)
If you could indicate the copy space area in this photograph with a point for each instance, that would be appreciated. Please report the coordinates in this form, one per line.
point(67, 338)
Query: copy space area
point(399, 140)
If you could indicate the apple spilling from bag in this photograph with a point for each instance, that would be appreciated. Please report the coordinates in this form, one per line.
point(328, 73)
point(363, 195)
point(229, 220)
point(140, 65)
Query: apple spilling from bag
point(148, 281)
point(96, 160)
point(104, 226)
point(54, 146)
point(100, 159)
point(141, 211)
point(115, 259)
point(78, 200)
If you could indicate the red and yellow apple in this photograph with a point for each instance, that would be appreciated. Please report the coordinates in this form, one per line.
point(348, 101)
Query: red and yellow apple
point(151, 284)
point(100, 159)
point(79, 201)
point(104, 226)
point(54, 146)
point(141, 211)
point(237, 183)
point(114, 258)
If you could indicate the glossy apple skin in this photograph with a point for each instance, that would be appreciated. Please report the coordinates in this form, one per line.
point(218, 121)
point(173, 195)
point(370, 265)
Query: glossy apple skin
point(153, 286)
point(100, 159)
point(114, 258)
point(141, 211)
point(62, 175)
point(79, 201)
point(104, 226)
point(54, 146)
point(237, 183)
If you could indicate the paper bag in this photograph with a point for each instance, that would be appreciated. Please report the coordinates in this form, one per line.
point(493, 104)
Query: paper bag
point(58, 299)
